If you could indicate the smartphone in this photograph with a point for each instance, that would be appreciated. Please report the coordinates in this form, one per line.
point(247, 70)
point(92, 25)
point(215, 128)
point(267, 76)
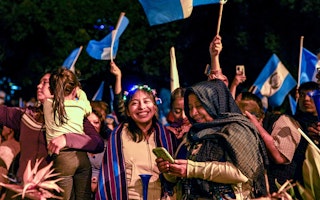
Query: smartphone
point(240, 70)
point(161, 152)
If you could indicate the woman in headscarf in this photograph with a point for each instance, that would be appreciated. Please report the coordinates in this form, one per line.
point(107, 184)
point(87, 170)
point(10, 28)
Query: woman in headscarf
point(226, 156)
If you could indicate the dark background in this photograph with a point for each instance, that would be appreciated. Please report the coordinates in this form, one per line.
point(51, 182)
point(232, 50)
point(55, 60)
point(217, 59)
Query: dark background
point(36, 36)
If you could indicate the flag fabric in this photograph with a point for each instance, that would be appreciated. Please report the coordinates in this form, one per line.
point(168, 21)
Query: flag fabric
point(274, 82)
point(264, 100)
point(174, 75)
point(98, 95)
point(101, 50)
point(164, 11)
point(111, 98)
point(293, 104)
point(21, 103)
point(70, 61)
point(308, 69)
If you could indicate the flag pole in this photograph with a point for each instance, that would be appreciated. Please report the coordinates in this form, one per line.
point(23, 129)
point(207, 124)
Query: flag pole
point(251, 89)
point(174, 76)
point(119, 20)
point(114, 33)
point(222, 2)
point(76, 58)
point(309, 140)
point(300, 59)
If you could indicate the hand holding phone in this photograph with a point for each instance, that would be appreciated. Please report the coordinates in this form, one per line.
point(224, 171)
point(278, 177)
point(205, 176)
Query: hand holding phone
point(161, 152)
point(240, 70)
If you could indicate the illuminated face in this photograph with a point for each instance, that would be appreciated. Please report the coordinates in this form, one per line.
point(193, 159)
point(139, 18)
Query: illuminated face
point(197, 111)
point(178, 109)
point(306, 103)
point(141, 107)
point(43, 91)
point(95, 121)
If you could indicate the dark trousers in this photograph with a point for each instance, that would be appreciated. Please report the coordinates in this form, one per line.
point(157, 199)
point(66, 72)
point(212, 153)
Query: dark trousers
point(75, 169)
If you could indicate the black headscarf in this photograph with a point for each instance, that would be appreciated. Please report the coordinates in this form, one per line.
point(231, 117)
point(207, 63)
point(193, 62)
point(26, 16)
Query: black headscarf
point(215, 98)
point(230, 128)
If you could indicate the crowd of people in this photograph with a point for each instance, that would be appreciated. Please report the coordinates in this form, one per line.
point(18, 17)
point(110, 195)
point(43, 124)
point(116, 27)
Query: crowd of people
point(225, 145)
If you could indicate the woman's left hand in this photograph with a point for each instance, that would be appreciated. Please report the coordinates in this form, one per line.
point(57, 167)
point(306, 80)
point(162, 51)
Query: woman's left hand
point(56, 144)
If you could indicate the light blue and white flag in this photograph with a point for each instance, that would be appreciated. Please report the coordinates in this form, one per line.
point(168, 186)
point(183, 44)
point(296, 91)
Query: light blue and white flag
point(21, 103)
point(293, 104)
point(101, 50)
point(274, 82)
point(111, 98)
point(308, 69)
point(70, 61)
point(98, 95)
point(164, 11)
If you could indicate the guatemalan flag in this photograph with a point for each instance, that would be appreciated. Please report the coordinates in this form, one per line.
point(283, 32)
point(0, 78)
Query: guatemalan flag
point(70, 61)
point(274, 82)
point(293, 104)
point(308, 69)
point(101, 50)
point(98, 95)
point(111, 98)
point(164, 11)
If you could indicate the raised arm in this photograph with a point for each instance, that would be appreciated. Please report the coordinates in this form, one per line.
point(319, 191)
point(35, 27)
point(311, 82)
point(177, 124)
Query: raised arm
point(115, 70)
point(215, 49)
point(118, 103)
point(10, 117)
point(270, 142)
point(238, 78)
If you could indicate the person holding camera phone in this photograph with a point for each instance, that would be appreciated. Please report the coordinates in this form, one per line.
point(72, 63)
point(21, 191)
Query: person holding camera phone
point(226, 157)
point(239, 78)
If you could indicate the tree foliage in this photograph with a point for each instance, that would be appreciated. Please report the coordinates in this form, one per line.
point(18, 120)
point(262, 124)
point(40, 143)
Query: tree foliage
point(36, 36)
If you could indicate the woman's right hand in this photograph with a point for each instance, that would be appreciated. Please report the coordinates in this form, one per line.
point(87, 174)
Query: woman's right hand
point(115, 70)
point(215, 46)
point(178, 168)
point(252, 118)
